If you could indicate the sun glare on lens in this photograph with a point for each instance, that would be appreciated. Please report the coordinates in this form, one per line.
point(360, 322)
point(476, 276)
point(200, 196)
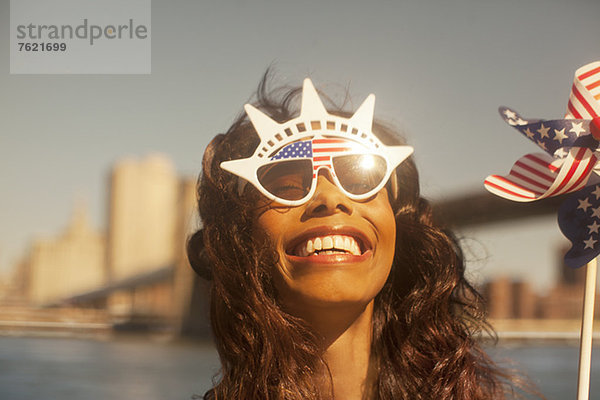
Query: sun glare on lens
point(367, 162)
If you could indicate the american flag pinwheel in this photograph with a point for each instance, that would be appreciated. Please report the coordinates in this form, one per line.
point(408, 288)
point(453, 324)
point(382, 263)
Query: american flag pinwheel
point(569, 164)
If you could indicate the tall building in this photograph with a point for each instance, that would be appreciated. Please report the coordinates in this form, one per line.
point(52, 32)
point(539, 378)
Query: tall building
point(509, 299)
point(191, 292)
point(142, 216)
point(498, 293)
point(525, 300)
point(19, 283)
point(565, 299)
point(67, 265)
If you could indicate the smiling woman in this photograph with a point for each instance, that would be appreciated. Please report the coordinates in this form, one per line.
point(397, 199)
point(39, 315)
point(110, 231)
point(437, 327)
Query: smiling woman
point(330, 278)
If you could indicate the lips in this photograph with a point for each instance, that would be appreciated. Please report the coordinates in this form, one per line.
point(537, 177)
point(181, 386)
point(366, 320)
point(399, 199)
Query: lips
point(328, 241)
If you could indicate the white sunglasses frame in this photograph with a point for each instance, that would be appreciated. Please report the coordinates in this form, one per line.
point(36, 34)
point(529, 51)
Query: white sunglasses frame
point(314, 122)
point(314, 180)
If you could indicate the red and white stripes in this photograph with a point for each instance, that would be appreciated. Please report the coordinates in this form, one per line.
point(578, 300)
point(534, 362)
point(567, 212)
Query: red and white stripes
point(536, 176)
point(530, 177)
point(584, 102)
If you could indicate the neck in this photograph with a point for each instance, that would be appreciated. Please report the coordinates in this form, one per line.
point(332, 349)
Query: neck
point(346, 342)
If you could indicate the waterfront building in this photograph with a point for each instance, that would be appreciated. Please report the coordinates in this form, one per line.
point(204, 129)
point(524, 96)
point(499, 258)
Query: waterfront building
point(142, 216)
point(498, 293)
point(67, 265)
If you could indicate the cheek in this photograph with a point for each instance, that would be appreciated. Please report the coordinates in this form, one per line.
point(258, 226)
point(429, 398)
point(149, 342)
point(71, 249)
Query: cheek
point(270, 226)
point(391, 236)
point(386, 227)
point(385, 223)
point(381, 216)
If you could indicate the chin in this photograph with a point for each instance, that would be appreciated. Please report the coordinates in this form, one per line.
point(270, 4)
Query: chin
point(334, 287)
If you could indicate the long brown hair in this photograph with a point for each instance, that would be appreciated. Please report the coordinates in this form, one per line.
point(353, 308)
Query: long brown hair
point(425, 318)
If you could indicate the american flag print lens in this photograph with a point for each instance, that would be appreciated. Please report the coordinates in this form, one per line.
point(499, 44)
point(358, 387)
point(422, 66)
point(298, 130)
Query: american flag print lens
point(292, 172)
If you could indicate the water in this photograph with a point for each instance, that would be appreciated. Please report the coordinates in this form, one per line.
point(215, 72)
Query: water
point(553, 368)
point(74, 369)
point(70, 369)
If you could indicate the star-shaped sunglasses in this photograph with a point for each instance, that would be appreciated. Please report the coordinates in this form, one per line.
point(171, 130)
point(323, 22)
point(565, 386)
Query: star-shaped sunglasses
point(286, 164)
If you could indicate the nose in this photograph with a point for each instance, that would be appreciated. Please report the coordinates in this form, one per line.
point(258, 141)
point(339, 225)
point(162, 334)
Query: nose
point(328, 199)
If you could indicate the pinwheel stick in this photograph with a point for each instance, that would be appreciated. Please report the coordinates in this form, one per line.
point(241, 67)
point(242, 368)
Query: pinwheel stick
point(587, 323)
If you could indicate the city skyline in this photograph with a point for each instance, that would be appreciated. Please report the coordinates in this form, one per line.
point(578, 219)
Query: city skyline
point(150, 214)
point(475, 240)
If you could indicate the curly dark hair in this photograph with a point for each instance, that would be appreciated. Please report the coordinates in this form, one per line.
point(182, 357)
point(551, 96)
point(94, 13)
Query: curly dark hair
point(426, 317)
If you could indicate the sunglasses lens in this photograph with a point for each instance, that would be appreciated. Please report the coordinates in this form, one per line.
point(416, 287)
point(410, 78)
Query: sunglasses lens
point(359, 173)
point(288, 180)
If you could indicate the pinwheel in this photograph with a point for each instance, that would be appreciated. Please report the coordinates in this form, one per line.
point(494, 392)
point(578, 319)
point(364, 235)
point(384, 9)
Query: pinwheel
point(570, 164)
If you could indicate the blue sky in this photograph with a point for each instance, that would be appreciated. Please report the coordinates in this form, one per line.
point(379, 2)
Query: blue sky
point(439, 69)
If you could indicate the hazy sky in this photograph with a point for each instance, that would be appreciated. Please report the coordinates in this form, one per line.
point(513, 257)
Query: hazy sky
point(439, 69)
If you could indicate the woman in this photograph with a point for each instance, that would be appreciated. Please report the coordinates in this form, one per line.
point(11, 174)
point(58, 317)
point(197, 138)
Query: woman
point(330, 278)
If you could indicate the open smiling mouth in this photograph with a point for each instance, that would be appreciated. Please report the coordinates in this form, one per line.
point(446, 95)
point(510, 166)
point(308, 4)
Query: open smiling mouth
point(328, 245)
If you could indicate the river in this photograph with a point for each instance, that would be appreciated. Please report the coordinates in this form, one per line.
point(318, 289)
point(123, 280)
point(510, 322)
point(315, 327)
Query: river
point(136, 369)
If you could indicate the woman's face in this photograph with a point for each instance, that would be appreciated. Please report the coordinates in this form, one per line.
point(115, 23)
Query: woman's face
point(332, 250)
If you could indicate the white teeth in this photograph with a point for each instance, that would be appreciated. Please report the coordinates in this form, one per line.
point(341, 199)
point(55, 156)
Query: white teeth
point(338, 242)
point(318, 245)
point(333, 244)
point(347, 243)
point(354, 249)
